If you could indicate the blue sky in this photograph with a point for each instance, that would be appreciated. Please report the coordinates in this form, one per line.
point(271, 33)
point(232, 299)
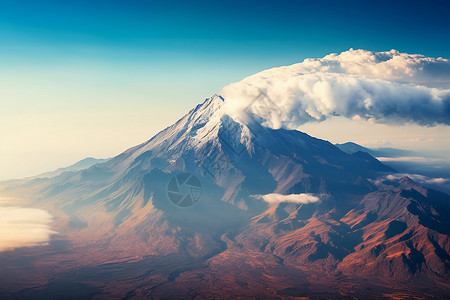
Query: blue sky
point(91, 78)
point(264, 33)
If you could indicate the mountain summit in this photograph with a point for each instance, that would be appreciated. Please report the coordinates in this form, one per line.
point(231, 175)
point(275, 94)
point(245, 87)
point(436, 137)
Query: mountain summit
point(269, 213)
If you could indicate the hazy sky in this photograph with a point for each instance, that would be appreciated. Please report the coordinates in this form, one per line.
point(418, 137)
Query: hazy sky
point(92, 78)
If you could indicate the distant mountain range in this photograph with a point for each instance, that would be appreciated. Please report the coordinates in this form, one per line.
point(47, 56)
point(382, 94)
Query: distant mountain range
point(211, 207)
point(351, 148)
point(80, 165)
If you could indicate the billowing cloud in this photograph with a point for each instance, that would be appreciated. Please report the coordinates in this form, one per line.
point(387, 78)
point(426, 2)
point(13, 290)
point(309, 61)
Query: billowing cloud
point(23, 227)
point(292, 198)
point(383, 87)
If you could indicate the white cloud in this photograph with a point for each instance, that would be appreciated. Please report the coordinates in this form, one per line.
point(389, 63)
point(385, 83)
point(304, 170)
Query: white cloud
point(381, 87)
point(415, 139)
point(419, 178)
point(418, 139)
point(373, 142)
point(292, 198)
point(24, 227)
point(410, 159)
